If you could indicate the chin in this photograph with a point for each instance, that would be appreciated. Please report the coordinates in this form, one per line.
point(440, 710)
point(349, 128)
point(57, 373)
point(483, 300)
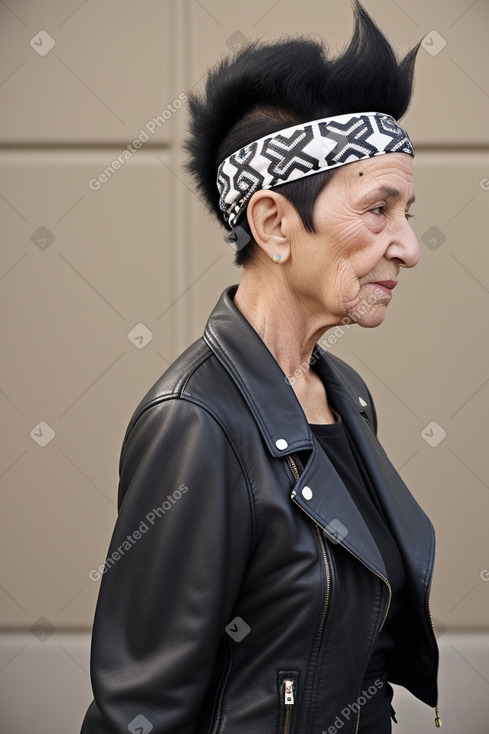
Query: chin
point(372, 318)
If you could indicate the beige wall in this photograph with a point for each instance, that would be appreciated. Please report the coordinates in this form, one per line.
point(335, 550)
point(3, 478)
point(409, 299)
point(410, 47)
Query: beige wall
point(139, 250)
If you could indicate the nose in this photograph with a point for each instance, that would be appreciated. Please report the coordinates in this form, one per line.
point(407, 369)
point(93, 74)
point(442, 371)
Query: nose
point(404, 245)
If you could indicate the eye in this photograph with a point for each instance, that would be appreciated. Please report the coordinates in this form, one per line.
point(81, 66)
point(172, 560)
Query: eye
point(409, 216)
point(378, 209)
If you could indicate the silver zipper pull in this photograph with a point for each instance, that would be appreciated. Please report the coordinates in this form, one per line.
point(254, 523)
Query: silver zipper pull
point(289, 692)
point(437, 718)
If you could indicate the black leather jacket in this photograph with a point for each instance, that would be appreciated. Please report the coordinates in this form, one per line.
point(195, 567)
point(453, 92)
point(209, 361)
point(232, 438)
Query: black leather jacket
point(230, 583)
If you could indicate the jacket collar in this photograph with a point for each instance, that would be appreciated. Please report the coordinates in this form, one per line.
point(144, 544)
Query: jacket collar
point(263, 383)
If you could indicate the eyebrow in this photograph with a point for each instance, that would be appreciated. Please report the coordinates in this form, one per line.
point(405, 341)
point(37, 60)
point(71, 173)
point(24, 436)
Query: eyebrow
point(388, 193)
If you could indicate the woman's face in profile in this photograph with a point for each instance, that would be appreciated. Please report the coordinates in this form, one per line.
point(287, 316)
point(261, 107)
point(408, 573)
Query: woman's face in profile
point(349, 265)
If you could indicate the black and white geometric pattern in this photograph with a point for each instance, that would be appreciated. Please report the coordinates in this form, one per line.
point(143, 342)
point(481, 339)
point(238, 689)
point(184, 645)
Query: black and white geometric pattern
point(302, 150)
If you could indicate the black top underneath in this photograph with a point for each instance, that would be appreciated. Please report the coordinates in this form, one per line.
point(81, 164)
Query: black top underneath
point(375, 713)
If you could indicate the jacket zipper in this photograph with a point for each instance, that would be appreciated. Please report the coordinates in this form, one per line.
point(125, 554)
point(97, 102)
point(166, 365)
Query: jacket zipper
point(438, 721)
point(289, 701)
point(294, 468)
point(319, 531)
point(324, 556)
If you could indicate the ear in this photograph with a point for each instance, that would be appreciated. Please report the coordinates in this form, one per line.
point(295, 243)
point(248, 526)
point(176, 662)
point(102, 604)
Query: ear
point(271, 217)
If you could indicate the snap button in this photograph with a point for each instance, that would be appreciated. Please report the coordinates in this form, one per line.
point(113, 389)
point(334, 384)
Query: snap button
point(307, 493)
point(281, 444)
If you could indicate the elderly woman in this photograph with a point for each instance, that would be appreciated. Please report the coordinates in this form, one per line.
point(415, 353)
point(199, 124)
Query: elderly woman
point(269, 571)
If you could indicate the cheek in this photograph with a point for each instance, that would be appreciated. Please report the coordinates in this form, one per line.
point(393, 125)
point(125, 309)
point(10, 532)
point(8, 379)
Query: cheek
point(374, 223)
point(371, 245)
point(365, 261)
point(351, 247)
point(361, 252)
point(355, 235)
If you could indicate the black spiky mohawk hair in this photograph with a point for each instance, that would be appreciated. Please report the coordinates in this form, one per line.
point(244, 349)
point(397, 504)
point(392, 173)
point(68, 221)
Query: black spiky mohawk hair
point(265, 87)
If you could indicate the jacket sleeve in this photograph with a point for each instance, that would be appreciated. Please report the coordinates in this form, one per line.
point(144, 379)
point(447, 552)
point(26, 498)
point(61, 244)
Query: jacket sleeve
point(172, 573)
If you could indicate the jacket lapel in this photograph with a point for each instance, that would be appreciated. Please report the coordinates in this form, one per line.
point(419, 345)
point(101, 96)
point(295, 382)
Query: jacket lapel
point(409, 524)
point(323, 496)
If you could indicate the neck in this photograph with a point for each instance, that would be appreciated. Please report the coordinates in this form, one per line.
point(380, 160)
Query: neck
point(287, 328)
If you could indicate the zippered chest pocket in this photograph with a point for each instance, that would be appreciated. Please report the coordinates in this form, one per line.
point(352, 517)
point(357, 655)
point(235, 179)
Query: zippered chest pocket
point(288, 699)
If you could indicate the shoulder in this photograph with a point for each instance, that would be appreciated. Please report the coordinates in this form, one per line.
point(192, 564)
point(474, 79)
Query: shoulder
point(174, 382)
point(185, 420)
point(196, 384)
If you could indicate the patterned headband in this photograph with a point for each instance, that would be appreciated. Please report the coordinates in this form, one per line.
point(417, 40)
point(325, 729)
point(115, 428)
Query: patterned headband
point(302, 150)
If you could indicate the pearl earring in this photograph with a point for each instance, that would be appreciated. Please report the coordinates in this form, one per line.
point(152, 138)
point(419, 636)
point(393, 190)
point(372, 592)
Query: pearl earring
point(276, 258)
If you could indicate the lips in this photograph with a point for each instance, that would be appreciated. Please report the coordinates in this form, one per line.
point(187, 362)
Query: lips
point(389, 284)
point(386, 286)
